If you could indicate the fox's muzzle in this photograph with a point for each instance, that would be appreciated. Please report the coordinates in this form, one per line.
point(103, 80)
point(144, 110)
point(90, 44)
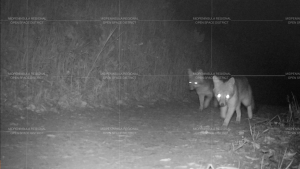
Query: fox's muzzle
point(192, 87)
point(222, 104)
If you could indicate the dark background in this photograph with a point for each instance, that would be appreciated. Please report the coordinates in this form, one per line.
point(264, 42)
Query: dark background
point(258, 42)
point(75, 47)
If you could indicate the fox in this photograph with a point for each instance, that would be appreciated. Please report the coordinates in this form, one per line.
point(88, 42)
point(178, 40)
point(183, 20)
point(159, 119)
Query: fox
point(230, 95)
point(204, 88)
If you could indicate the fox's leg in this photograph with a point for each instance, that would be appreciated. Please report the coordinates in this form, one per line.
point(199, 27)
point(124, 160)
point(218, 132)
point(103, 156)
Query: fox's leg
point(249, 104)
point(228, 115)
point(223, 111)
point(249, 110)
point(238, 113)
point(201, 101)
point(207, 101)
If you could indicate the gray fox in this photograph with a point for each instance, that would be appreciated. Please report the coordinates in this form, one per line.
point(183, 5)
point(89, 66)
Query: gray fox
point(230, 95)
point(204, 88)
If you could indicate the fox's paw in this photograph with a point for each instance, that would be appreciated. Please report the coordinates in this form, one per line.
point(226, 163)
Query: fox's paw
point(238, 120)
point(225, 125)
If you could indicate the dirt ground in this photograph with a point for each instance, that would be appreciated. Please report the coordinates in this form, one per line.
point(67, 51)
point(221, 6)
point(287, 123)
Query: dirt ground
point(174, 135)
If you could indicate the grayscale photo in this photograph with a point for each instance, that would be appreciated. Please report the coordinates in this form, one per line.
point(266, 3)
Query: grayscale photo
point(150, 84)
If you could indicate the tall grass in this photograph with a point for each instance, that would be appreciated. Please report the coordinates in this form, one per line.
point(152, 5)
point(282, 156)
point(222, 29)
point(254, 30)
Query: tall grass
point(100, 63)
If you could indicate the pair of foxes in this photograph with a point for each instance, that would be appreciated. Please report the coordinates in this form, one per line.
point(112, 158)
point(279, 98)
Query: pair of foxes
point(229, 94)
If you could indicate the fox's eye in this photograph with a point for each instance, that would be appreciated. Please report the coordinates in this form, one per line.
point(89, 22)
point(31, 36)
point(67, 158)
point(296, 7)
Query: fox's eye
point(196, 82)
point(227, 96)
point(190, 82)
point(219, 95)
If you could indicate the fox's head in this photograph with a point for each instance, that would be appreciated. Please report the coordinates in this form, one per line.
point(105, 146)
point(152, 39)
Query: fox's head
point(223, 90)
point(195, 78)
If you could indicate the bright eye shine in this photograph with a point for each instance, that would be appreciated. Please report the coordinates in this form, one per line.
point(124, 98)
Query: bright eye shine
point(227, 96)
point(219, 95)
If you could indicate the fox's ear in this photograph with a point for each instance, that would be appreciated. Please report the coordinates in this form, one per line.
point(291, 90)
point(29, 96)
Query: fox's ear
point(190, 72)
point(216, 79)
point(231, 81)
